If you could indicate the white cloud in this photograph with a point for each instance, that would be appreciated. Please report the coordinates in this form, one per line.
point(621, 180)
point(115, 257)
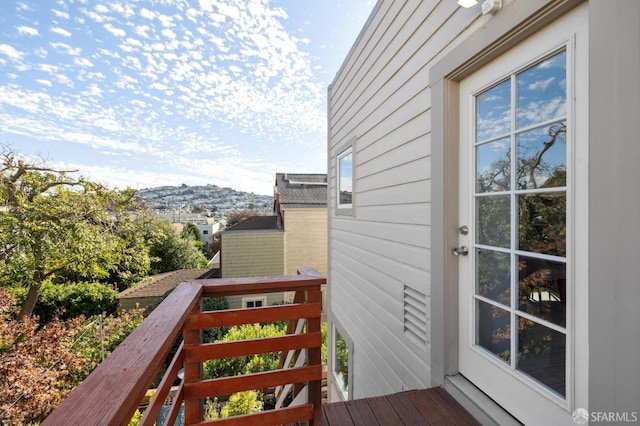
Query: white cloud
point(229, 10)
point(158, 86)
point(108, 124)
point(63, 79)
point(95, 16)
point(146, 13)
point(60, 31)
point(541, 84)
point(29, 31)
point(60, 14)
point(142, 31)
point(174, 74)
point(118, 32)
point(10, 52)
point(167, 21)
point(65, 48)
point(44, 82)
point(125, 10)
point(82, 62)
point(168, 34)
point(48, 68)
point(23, 6)
point(206, 5)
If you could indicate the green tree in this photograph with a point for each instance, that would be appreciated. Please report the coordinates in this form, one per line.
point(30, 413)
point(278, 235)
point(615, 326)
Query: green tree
point(54, 224)
point(170, 251)
point(136, 231)
point(190, 230)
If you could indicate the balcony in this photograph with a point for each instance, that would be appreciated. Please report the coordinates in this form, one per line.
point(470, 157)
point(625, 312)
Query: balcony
point(116, 388)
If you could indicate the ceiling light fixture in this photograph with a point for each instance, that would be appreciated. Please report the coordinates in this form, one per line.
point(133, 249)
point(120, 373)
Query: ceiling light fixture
point(467, 3)
point(491, 7)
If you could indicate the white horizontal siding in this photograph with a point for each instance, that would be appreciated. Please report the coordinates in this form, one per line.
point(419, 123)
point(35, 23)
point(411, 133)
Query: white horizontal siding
point(380, 97)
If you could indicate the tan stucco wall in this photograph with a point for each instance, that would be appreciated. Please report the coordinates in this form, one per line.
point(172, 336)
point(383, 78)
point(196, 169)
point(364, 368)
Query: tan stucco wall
point(252, 254)
point(305, 240)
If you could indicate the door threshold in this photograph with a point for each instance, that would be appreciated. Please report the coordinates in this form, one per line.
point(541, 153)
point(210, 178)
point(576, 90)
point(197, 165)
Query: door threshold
point(476, 402)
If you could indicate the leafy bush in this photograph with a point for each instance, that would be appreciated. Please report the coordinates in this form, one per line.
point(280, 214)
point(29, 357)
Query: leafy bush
point(210, 335)
point(66, 301)
point(247, 364)
point(100, 336)
point(37, 370)
point(135, 420)
point(240, 403)
point(41, 364)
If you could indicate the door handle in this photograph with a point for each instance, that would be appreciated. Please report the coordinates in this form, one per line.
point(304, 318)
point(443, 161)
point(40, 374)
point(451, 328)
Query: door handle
point(460, 251)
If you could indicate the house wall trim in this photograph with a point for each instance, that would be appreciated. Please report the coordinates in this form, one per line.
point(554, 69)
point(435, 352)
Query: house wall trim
point(513, 23)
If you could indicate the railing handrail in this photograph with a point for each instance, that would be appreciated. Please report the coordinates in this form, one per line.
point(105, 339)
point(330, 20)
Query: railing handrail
point(219, 287)
point(113, 391)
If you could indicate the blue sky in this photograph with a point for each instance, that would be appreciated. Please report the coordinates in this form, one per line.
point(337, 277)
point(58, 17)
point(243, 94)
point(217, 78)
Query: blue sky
point(164, 92)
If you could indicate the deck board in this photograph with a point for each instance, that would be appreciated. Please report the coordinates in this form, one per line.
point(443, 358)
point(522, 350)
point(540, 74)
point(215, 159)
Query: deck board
point(361, 412)
point(433, 406)
point(383, 411)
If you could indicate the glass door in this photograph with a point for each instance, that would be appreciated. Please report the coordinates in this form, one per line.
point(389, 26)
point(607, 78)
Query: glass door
point(516, 245)
point(520, 206)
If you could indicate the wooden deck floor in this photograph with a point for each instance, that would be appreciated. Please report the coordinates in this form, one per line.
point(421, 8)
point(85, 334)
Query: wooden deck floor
point(417, 407)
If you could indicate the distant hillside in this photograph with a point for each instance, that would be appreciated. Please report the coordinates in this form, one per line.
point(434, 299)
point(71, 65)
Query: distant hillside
point(210, 200)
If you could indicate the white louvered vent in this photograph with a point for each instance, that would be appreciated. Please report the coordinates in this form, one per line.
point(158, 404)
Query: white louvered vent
point(415, 315)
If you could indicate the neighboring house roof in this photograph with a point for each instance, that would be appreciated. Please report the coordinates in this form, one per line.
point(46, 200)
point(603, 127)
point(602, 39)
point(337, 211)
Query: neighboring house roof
point(255, 223)
point(161, 284)
point(298, 190)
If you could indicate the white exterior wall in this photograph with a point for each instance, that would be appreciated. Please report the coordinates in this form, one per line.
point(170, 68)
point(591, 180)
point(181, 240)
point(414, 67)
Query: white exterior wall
point(210, 228)
point(380, 99)
point(614, 210)
point(386, 244)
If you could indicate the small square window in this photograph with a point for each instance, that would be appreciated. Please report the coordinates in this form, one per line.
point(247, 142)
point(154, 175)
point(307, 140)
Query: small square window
point(254, 302)
point(345, 179)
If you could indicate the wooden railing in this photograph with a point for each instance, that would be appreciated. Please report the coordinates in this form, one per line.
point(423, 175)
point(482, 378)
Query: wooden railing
point(113, 391)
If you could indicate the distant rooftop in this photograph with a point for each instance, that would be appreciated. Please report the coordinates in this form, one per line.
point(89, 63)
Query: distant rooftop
point(255, 223)
point(161, 284)
point(298, 190)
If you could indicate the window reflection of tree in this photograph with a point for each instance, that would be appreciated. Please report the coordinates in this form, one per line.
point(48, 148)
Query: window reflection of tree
point(541, 229)
point(542, 217)
point(497, 177)
point(530, 168)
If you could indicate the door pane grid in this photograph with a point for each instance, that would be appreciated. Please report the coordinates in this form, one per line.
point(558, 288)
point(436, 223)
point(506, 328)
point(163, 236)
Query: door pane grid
point(520, 165)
